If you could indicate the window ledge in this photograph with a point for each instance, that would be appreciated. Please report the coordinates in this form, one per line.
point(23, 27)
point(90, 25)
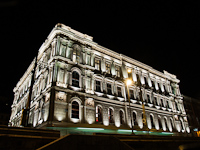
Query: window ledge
point(150, 105)
point(120, 98)
point(133, 101)
point(98, 93)
point(169, 109)
point(75, 88)
point(158, 107)
point(110, 96)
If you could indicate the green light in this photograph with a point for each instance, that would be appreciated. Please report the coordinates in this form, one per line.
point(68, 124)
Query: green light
point(90, 128)
point(121, 130)
point(166, 133)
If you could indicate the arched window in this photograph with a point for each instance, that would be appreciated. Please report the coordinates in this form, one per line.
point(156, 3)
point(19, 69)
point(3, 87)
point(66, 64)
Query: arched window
point(75, 110)
point(110, 115)
point(171, 122)
point(152, 122)
point(98, 114)
point(159, 123)
point(134, 119)
point(166, 123)
point(182, 125)
point(121, 114)
point(75, 79)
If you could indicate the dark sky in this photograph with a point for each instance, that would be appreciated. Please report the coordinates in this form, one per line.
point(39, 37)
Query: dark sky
point(163, 35)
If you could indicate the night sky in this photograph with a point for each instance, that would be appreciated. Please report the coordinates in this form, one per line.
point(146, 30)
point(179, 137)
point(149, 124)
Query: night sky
point(163, 35)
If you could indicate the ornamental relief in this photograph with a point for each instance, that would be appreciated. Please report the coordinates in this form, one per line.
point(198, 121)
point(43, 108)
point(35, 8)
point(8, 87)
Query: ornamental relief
point(60, 96)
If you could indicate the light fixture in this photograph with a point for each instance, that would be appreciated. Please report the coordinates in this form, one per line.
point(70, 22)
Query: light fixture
point(128, 82)
point(129, 70)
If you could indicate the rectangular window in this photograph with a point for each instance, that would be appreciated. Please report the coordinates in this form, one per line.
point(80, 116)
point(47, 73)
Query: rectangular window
point(61, 75)
point(97, 64)
point(107, 68)
point(148, 99)
point(119, 91)
point(109, 90)
point(117, 71)
point(98, 86)
point(110, 115)
point(131, 94)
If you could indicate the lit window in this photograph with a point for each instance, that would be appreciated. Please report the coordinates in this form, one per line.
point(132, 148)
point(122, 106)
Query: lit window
point(75, 79)
point(107, 68)
point(109, 90)
point(97, 64)
point(99, 114)
point(117, 71)
point(119, 91)
point(75, 110)
point(110, 115)
point(98, 86)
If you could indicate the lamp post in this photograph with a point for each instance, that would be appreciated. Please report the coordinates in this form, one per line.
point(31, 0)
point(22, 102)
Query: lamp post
point(143, 108)
point(128, 83)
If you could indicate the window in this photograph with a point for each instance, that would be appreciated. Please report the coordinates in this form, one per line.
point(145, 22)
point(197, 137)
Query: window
point(171, 122)
point(75, 79)
point(159, 123)
point(152, 122)
point(107, 68)
point(156, 101)
point(148, 99)
point(161, 103)
point(61, 75)
point(97, 64)
point(110, 115)
point(166, 123)
point(62, 50)
point(121, 114)
point(134, 119)
point(88, 59)
point(182, 125)
point(99, 114)
point(76, 53)
point(119, 91)
point(98, 86)
point(75, 110)
point(176, 103)
point(117, 71)
point(131, 94)
point(109, 90)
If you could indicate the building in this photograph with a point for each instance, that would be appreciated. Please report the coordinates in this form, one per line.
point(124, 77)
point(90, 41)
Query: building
point(192, 107)
point(78, 82)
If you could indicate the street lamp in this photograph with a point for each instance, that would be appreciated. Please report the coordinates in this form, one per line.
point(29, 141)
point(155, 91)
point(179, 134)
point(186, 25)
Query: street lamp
point(128, 83)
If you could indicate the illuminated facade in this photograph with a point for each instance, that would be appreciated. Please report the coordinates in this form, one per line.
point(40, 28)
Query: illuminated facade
point(80, 82)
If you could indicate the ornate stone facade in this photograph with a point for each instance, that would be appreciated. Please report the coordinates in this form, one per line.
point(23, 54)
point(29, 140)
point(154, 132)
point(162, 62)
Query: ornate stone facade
point(80, 82)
